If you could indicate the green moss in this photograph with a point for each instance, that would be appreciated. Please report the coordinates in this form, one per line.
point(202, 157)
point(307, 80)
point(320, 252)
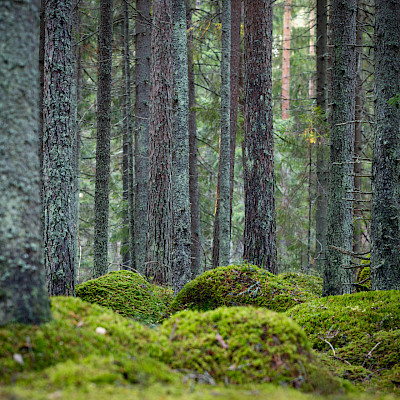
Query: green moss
point(365, 277)
point(242, 345)
point(71, 335)
point(343, 319)
point(239, 285)
point(308, 283)
point(127, 293)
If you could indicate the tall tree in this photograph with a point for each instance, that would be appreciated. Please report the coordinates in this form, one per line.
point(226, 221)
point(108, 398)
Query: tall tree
point(321, 226)
point(385, 217)
point(193, 170)
point(23, 296)
point(222, 230)
point(58, 150)
point(181, 265)
point(159, 225)
point(337, 279)
point(259, 231)
point(286, 60)
point(101, 204)
point(142, 99)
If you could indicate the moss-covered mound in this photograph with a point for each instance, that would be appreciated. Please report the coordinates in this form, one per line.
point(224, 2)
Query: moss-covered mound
point(341, 320)
point(78, 329)
point(238, 285)
point(364, 278)
point(243, 345)
point(308, 283)
point(127, 293)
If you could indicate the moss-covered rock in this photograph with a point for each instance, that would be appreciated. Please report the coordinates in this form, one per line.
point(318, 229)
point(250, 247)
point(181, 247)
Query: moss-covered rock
point(127, 293)
point(243, 345)
point(78, 329)
point(238, 285)
point(308, 283)
point(341, 320)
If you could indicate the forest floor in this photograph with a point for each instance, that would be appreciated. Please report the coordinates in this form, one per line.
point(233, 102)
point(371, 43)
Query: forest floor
point(235, 332)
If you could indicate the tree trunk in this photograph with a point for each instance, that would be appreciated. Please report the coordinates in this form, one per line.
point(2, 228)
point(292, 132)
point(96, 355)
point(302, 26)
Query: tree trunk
point(286, 60)
point(338, 280)
point(58, 151)
point(193, 172)
point(385, 222)
point(221, 237)
point(23, 296)
point(103, 138)
point(321, 214)
point(142, 99)
point(259, 231)
point(159, 233)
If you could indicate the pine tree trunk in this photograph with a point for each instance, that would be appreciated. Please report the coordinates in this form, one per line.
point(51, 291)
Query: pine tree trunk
point(286, 60)
point(193, 171)
point(338, 280)
point(385, 222)
point(142, 99)
point(260, 231)
point(58, 151)
point(23, 296)
point(159, 229)
point(103, 138)
point(181, 264)
point(321, 214)
point(222, 230)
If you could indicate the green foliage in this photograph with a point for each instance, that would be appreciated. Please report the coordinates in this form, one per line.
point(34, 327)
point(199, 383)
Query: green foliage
point(236, 285)
point(242, 345)
point(128, 294)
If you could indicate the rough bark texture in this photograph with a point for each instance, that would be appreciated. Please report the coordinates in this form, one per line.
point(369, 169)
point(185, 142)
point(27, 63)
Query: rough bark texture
point(321, 214)
point(58, 151)
point(23, 296)
point(338, 280)
point(159, 229)
point(103, 139)
point(260, 231)
point(142, 98)
point(193, 171)
point(181, 264)
point(221, 237)
point(286, 60)
point(385, 224)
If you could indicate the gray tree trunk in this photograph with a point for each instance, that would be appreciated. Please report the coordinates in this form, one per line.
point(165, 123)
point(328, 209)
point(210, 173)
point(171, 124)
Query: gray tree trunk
point(321, 214)
point(23, 296)
point(193, 171)
point(58, 145)
point(338, 280)
point(385, 217)
point(142, 99)
point(222, 239)
point(101, 204)
point(159, 225)
point(259, 179)
point(182, 271)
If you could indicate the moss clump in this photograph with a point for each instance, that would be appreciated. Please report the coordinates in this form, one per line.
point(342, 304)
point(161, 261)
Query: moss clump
point(344, 319)
point(238, 285)
point(243, 345)
point(72, 335)
point(308, 283)
point(364, 277)
point(127, 293)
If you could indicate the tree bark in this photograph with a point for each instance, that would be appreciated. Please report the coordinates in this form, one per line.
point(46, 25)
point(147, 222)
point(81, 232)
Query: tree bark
point(103, 138)
point(385, 220)
point(58, 151)
point(142, 99)
point(159, 228)
point(181, 265)
point(286, 60)
point(221, 237)
point(193, 171)
point(338, 280)
point(23, 296)
point(260, 231)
